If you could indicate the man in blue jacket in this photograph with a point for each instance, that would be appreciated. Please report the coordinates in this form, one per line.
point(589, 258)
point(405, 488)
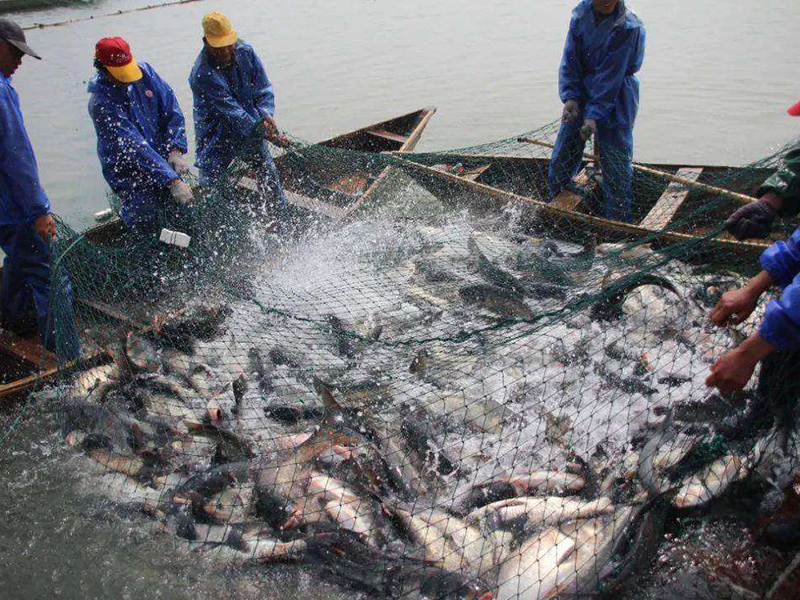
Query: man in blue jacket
point(141, 139)
point(776, 344)
point(26, 225)
point(234, 108)
point(600, 92)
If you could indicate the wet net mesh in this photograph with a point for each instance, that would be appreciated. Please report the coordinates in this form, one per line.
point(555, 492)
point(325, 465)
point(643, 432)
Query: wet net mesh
point(426, 379)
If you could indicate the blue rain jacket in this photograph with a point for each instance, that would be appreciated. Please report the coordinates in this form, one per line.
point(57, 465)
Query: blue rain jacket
point(229, 104)
point(22, 198)
point(781, 324)
point(600, 63)
point(137, 126)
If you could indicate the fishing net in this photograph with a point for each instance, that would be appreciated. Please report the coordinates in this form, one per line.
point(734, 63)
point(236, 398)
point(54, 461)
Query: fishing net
point(427, 380)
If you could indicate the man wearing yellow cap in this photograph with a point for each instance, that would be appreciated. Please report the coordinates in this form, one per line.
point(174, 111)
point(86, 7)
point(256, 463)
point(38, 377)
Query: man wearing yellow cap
point(141, 138)
point(234, 107)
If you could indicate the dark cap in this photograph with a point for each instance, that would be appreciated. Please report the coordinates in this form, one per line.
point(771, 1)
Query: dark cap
point(13, 34)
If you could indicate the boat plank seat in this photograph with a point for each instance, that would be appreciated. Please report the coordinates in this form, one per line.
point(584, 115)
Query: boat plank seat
point(28, 349)
point(569, 200)
point(662, 213)
point(314, 205)
point(388, 135)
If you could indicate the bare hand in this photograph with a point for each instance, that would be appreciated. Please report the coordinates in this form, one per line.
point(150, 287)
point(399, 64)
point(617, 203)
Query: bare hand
point(589, 129)
point(270, 127)
point(732, 372)
point(740, 303)
point(45, 227)
point(571, 111)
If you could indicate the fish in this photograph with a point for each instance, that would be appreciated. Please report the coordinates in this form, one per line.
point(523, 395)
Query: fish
point(235, 447)
point(532, 571)
point(119, 463)
point(264, 375)
point(345, 346)
point(294, 414)
point(709, 483)
point(94, 384)
point(281, 356)
point(142, 353)
point(536, 482)
point(493, 274)
point(500, 301)
point(201, 323)
point(549, 510)
point(630, 385)
point(434, 272)
point(609, 306)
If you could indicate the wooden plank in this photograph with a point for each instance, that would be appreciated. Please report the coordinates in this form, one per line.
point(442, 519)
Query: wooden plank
point(625, 231)
point(709, 189)
point(28, 349)
point(408, 146)
point(388, 135)
point(569, 200)
point(317, 206)
point(667, 206)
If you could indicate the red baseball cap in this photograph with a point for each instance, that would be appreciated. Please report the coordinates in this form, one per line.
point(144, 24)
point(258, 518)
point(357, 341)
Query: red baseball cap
point(795, 110)
point(115, 55)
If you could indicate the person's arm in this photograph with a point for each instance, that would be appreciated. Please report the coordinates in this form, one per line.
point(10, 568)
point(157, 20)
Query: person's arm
point(782, 260)
point(262, 88)
point(627, 47)
point(172, 117)
point(121, 146)
point(217, 94)
point(570, 73)
point(783, 188)
point(18, 163)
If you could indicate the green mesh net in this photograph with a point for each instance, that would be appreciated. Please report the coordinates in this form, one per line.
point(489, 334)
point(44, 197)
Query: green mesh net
point(437, 381)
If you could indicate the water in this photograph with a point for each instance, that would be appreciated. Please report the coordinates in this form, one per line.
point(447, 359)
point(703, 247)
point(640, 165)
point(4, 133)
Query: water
point(716, 82)
point(713, 92)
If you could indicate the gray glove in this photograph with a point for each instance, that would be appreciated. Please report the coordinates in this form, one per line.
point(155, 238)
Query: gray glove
point(571, 111)
point(752, 221)
point(181, 192)
point(178, 163)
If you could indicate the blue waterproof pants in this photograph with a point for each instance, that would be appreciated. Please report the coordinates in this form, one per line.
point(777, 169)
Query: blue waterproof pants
point(616, 155)
point(25, 291)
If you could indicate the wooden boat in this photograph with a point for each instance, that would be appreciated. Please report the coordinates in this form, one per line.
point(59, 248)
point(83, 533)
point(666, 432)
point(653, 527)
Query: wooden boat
point(663, 211)
point(24, 363)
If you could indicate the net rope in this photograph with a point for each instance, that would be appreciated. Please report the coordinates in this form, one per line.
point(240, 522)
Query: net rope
point(447, 390)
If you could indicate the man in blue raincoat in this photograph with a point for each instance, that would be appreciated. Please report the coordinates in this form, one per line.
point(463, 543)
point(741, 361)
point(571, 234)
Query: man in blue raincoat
point(26, 225)
point(600, 92)
point(141, 139)
point(234, 108)
point(776, 343)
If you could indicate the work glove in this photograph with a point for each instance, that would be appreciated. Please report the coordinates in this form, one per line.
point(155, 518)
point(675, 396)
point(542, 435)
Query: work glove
point(571, 111)
point(181, 192)
point(178, 163)
point(589, 129)
point(752, 221)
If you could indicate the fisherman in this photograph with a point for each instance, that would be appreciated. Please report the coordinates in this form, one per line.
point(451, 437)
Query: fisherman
point(776, 344)
point(234, 111)
point(141, 140)
point(26, 225)
point(600, 92)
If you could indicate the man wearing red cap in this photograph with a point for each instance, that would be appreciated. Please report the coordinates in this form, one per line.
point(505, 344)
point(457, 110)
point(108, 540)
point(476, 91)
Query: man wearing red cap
point(26, 225)
point(141, 138)
point(776, 344)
